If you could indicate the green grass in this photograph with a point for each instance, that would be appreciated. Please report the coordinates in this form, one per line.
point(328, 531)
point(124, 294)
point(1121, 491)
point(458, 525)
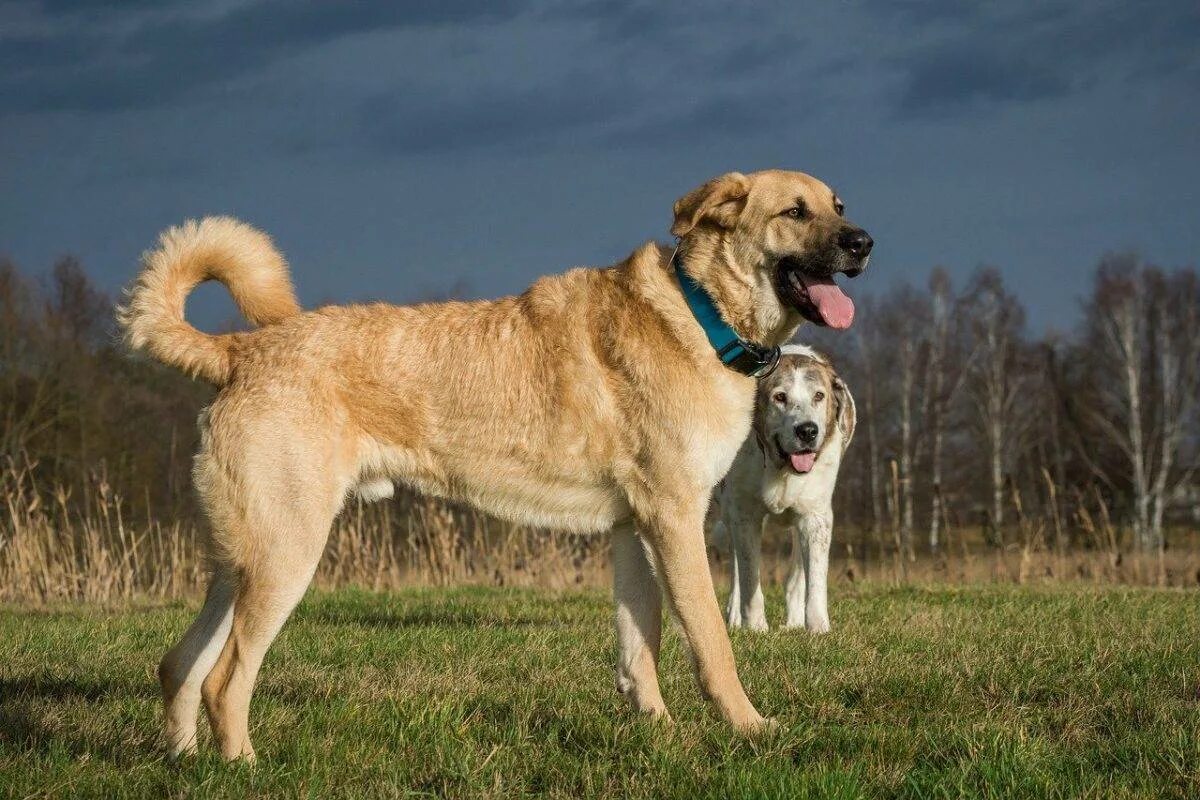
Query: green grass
point(988, 692)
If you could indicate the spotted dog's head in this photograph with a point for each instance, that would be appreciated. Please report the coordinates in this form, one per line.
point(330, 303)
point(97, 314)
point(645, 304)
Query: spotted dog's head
point(802, 407)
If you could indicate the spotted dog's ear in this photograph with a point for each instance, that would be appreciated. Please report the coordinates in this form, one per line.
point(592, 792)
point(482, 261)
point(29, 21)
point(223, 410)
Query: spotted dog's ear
point(846, 412)
point(758, 424)
point(720, 201)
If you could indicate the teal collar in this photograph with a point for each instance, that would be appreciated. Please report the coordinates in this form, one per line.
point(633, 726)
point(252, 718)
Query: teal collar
point(736, 353)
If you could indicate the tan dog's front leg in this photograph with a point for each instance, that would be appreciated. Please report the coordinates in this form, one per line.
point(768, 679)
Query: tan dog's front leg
point(677, 537)
point(639, 622)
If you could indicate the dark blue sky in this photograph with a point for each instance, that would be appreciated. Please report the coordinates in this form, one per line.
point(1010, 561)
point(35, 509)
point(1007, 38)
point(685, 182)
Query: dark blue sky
point(404, 150)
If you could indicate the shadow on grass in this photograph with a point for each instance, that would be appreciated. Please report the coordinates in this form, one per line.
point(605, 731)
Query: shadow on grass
point(45, 714)
point(51, 688)
point(424, 618)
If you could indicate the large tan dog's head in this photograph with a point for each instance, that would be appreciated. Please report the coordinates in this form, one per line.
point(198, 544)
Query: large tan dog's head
point(801, 405)
point(766, 246)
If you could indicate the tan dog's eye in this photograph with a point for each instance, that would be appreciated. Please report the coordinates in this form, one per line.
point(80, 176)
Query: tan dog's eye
point(839, 207)
point(779, 397)
point(818, 397)
point(797, 212)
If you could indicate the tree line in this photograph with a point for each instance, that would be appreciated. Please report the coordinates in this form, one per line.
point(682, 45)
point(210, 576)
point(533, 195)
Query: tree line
point(76, 412)
point(966, 419)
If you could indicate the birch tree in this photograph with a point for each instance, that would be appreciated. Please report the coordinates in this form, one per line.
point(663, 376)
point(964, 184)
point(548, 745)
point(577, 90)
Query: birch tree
point(866, 340)
point(944, 378)
point(1177, 346)
point(1143, 331)
point(905, 324)
point(994, 319)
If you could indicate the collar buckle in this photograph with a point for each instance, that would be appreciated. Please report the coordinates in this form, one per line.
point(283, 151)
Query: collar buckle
point(749, 358)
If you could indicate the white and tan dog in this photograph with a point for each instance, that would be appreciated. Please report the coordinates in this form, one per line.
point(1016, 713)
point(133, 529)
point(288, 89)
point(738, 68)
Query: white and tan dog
point(594, 401)
point(783, 480)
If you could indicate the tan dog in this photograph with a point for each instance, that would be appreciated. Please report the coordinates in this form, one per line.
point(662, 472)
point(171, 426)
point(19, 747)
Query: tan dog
point(783, 479)
point(593, 401)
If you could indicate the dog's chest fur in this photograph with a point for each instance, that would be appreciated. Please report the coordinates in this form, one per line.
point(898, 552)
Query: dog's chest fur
point(720, 430)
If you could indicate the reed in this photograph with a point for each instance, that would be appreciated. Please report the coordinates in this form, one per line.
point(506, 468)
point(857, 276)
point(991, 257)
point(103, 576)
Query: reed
point(61, 546)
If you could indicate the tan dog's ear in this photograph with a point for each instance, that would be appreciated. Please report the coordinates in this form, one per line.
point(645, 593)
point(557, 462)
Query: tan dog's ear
point(846, 412)
point(720, 201)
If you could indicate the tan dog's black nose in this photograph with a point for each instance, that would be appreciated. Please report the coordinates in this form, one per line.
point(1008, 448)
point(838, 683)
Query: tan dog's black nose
point(856, 242)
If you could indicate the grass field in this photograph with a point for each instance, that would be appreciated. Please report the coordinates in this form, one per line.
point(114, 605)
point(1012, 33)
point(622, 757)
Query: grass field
point(991, 692)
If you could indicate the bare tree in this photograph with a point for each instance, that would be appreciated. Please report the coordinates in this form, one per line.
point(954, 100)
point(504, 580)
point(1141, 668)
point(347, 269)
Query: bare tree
point(1143, 331)
point(1053, 445)
point(905, 321)
point(943, 381)
point(1120, 304)
point(1176, 333)
point(907, 347)
point(866, 339)
point(994, 318)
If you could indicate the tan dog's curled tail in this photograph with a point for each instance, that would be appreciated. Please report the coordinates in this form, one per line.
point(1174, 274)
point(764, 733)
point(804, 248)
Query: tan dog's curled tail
point(223, 249)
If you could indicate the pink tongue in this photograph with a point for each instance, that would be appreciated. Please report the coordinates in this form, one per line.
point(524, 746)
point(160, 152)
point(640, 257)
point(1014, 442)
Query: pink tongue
point(803, 462)
point(832, 303)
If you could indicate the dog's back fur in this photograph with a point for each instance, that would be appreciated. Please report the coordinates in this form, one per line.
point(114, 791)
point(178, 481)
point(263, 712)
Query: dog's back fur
point(555, 380)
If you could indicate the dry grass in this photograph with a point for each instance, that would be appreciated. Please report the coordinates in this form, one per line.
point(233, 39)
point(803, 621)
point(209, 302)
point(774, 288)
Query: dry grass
point(70, 548)
point(56, 547)
point(84, 549)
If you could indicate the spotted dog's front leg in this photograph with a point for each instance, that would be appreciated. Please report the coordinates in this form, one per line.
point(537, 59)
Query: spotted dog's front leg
point(808, 583)
point(797, 583)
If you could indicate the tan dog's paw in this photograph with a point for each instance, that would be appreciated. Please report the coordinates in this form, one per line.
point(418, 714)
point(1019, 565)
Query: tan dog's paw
point(759, 727)
point(656, 711)
point(769, 727)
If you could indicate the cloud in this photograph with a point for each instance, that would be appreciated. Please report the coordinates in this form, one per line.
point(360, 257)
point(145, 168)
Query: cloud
point(725, 114)
point(924, 12)
point(66, 7)
point(419, 119)
point(961, 76)
point(985, 57)
point(638, 75)
point(582, 109)
point(144, 57)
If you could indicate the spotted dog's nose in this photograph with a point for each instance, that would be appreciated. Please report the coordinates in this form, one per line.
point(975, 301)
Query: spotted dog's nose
point(806, 432)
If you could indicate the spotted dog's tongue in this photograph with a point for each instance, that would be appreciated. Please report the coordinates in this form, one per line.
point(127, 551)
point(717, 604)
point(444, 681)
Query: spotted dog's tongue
point(803, 462)
point(835, 308)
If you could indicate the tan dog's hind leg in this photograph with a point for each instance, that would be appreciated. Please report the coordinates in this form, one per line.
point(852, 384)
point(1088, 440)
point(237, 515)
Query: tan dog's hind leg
point(676, 534)
point(639, 622)
point(281, 537)
point(184, 668)
point(262, 606)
